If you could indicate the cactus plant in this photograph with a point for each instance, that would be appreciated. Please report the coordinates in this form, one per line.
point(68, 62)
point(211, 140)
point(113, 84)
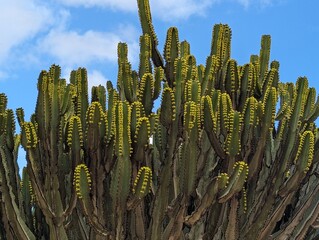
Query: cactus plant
point(233, 151)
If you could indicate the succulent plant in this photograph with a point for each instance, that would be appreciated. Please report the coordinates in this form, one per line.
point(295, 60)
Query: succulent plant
point(230, 153)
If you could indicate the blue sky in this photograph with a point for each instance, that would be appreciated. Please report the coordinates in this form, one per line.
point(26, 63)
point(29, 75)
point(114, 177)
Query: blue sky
point(85, 33)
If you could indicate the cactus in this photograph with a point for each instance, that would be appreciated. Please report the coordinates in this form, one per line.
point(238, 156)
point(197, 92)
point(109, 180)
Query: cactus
point(231, 152)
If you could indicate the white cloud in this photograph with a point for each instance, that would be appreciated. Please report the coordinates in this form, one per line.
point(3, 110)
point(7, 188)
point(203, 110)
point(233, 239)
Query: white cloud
point(73, 49)
point(19, 21)
point(3, 75)
point(126, 5)
point(96, 78)
point(180, 9)
point(245, 3)
point(259, 3)
point(165, 9)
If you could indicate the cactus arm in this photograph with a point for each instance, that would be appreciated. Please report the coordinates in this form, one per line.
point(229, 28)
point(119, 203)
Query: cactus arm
point(171, 52)
point(185, 49)
point(174, 228)
point(210, 126)
point(141, 187)
point(271, 79)
point(74, 142)
point(264, 57)
point(95, 135)
point(249, 119)
point(231, 81)
point(162, 193)
point(192, 91)
point(167, 111)
point(95, 129)
point(53, 213)
point(53, 182)
point(124, 79)
point(55, 114)
point(28, 198)
point(160, 202)
point(247, 84)
point(221, 40)
point(310, 102)
point(210, 197)
point(141, 138)
point(233, 144)
point(145, 92)
point(189, 155)
point(305, 215)
point(158, 78)
point(313, 108)
point(303, 161)
point(293, 123)
point(208, 82)
point(112, 100)
point(274, 217)
point(137, 113)
point(29, 142)
point(225, 107)
point(82, 184)
point(98, 94)
point(120, 184)
point(270, 100)
point(232, 230)
point(266, 223)
point(236, 181)
point(180, 67)
point(147, 27)
point(66, 104)
point(20, 228)
point(268, 120)
point(145, 55)
point(79, 79)
point(10, 145)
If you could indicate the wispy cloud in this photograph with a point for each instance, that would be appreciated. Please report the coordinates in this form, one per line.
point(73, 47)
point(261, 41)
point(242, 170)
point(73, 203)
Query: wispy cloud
point(165, 9)
point(74, 49)
point(20, 21)
point(3, 75)
point(96, 78)
point(37, 33)
point(180, 9)
point(126, 5)
point(70, 47)
point(35, 30)
point(258, 3)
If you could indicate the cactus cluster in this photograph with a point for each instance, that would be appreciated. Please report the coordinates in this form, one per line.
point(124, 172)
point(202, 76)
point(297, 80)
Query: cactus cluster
point(230, 153)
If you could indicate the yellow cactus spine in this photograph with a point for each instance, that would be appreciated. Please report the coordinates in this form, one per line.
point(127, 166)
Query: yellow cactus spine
point(75, 133)
point(82, 181)
point(168, 111)
point(190, 110)
point(171, 49)
point(305, 153)
point(95, 109)
point(143, 130)
point(142, 183)
point(241, 168)
point(29, 136)
point(233, 145)
point(223, 180)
